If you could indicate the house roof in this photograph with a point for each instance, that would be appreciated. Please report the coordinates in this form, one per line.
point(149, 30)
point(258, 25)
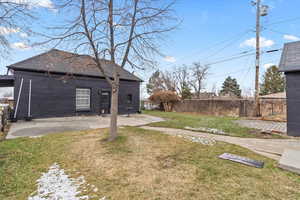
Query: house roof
point(57, 61)
point(7, 80)
point(279, 95)
point(290, 58)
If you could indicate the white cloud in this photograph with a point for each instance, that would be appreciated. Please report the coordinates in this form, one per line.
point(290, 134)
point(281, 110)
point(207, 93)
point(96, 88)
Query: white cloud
point(20, 46)
point(44, 3)
point(291, 37)
point(7, 31)
point(267, 65)
point(35, 3)
point(263, 42)
point(24, 35)
point(170, 59)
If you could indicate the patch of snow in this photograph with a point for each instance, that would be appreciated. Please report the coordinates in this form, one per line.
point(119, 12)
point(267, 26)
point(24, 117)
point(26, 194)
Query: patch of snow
point(57, 185)
point(199, 139)
point(207, 130)
point(37, 136)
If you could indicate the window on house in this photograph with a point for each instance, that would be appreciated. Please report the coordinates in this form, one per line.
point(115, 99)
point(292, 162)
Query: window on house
point(129, 98)
point(83, 99)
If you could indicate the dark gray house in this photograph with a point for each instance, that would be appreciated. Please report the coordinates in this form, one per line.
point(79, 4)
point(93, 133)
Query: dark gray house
point(290, 65)
point(59, 84)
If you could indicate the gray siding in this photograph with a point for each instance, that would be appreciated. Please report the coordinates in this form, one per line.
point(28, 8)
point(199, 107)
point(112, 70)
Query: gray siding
point(53, 97)
point(293, 103)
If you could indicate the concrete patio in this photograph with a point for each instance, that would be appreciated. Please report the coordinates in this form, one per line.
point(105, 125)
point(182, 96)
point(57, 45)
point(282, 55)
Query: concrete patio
point(40, 127)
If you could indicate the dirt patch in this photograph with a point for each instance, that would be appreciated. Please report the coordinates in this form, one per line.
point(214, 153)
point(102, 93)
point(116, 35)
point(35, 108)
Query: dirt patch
point(166, 162)
point(139, 164)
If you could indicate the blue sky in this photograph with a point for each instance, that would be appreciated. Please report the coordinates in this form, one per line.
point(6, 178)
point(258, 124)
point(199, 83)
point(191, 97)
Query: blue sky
point(210, 31)
point(206, 23)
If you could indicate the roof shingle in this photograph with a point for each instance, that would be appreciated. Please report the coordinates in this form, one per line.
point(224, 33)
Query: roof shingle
point(290, 58)
point(58, 61)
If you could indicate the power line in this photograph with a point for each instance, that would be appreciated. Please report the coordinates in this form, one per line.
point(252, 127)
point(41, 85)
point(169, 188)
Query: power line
point(236, 54)
point(228, 73)
point(231, 41)
point(283, 21)
point(241, 55)
point(230, 59)
point(227, 45)
point(280, 32)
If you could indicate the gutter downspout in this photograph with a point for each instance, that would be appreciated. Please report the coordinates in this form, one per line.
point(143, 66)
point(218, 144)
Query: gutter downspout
point(29, 101)
point(19, 95)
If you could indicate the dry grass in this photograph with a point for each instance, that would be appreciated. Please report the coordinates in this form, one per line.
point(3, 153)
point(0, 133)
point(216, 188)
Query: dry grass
point(142, 164)
point(148, 165)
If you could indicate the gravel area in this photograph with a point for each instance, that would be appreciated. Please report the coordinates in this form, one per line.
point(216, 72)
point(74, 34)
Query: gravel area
point(201, 140)
point(263, 125)
point(272, 148)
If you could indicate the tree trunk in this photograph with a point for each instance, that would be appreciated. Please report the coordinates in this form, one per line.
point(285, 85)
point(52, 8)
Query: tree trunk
point(113, 134)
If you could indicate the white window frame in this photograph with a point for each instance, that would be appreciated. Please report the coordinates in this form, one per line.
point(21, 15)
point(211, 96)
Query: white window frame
point(83, 99)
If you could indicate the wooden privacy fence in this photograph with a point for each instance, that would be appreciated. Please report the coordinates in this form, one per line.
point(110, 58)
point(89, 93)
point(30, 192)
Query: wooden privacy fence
point(276, 107)
point(218, 107)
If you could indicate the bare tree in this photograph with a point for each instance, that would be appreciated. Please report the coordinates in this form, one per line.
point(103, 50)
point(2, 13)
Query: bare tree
point(161, 81)
point(182, 77)
point(14, 17)
point(125, 32)
point(169, 81)
point(199, 74)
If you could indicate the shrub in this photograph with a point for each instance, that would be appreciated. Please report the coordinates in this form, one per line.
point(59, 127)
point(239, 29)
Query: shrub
point(166, 98)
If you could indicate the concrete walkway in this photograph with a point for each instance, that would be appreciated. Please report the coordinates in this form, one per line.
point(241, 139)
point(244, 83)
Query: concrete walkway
point(272, 148)
point(40, 127)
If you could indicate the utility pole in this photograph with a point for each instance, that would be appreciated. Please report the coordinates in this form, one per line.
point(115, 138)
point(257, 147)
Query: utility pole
point(261, 10)
point(257, 58)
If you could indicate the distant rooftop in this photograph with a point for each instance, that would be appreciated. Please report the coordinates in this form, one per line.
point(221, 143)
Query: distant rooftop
point(280, 95)
point(290, 59)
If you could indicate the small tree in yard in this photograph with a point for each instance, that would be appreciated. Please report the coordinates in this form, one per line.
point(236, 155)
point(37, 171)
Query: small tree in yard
point(166, 98)
point(231, 87)
point(273, 81)
point(124, 32)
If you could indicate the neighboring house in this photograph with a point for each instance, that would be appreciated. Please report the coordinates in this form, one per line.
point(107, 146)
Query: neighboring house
point(204, 95)
point(7, 101)
point(290, 65)
point(279, 95)
point(148, 105)
point(67, 84)
point(228, 95)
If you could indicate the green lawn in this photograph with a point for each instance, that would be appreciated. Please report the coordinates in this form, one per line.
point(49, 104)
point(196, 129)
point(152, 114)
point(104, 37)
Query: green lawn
point(226, 124)
point(23, 160)
point(142, 164)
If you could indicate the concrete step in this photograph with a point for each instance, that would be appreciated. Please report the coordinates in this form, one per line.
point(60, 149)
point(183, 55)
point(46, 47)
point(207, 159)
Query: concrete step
point(290, 160)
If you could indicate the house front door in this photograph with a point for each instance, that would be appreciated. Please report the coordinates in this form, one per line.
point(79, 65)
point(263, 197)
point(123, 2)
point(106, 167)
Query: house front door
point(105, 102)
